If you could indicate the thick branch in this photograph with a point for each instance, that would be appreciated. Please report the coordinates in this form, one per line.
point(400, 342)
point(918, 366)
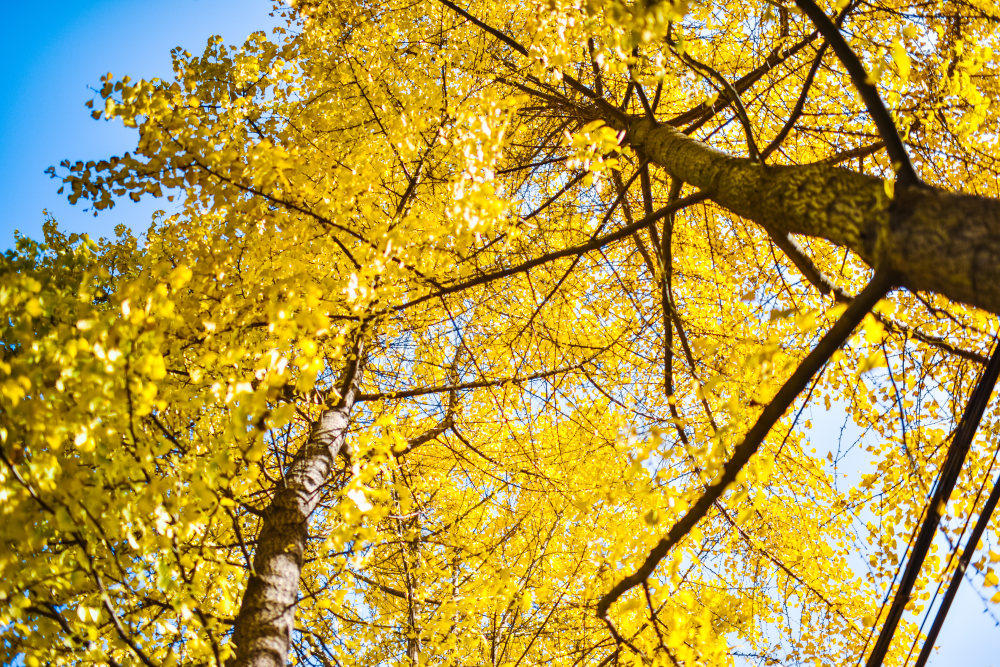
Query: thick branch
point(935, 240)
point(477, 384)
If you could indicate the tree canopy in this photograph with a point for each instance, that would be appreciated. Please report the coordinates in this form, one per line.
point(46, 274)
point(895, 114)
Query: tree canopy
point(493, 333)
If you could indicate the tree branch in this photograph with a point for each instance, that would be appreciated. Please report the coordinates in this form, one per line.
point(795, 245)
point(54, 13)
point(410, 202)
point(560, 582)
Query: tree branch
point(905, 173)
point(593, 244)
point(970, 549)
point(880, 284)
point(934, 240)
point(955, 457)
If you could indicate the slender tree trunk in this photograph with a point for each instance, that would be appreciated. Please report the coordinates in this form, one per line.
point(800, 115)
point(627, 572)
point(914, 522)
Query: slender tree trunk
point(263, 629)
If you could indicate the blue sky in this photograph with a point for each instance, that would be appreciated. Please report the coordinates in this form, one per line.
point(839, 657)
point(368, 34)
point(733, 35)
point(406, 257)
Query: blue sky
point(52, 53)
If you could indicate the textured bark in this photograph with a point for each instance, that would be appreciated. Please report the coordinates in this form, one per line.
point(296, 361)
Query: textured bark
point(934, 240)
point(264, 625)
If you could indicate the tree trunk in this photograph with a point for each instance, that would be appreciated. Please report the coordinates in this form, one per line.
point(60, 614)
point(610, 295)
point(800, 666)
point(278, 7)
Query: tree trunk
point(935, 240)
point(263, 628)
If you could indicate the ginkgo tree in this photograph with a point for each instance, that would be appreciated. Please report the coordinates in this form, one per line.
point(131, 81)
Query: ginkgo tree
point(492, 333)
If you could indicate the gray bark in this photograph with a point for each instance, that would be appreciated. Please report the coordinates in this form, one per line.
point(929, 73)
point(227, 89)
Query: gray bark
point(264, 624)
point(931, 239)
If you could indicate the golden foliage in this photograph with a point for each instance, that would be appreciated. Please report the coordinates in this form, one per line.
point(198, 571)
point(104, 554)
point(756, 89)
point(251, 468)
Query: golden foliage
point(386, 170)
